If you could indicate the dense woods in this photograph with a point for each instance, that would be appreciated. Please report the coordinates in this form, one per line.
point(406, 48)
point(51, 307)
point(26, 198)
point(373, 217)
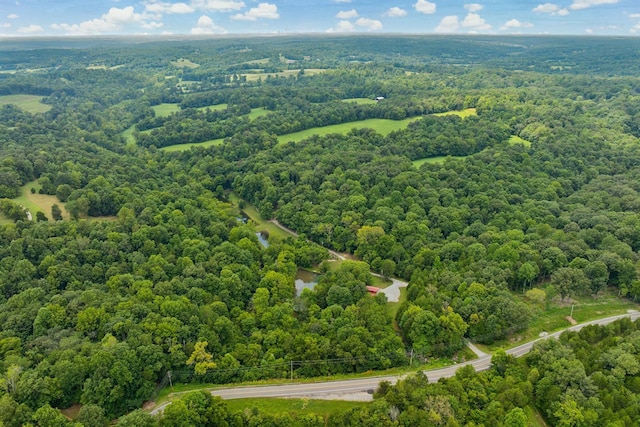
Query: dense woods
point(528, 200)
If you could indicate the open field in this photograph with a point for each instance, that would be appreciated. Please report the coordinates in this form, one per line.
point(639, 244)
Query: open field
point(434, 160)
point(515, 139)
point(294, 407)
point(39, 202)
point(217, 107)
point(360, 100)
point(382, 126)
point(184, 63)
point(460, 113)
point(257, 112)
point(29, 103)
point(164, 110)
point(127, 134)
point(182, 147)
point(258, 61)
point(252, 77)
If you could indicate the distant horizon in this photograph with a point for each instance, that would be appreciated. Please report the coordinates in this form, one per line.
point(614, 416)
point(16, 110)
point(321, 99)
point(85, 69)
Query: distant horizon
point(67, 18)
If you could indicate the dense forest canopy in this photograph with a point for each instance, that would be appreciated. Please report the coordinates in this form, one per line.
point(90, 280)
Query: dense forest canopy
point(513, 190)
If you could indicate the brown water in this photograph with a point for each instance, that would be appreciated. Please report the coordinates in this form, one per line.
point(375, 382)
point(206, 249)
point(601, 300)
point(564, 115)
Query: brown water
point(305, 279)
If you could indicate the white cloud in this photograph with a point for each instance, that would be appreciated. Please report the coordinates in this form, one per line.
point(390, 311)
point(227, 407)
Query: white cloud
point(342, 27)
point(205, 25)
point(635, 29)
point(12, 16)
point(347, 14)
point(263, 11)
point(167, 8)
point(473, 7)
point(448, 24)
point(424, 6)
point(30, 29)
point(585, 4)
point(514, 23)
point(475, 22)
point(588, 31)
point(635, 16)
point(5, 25)
point(217, 5)
point(550, 8)
point(113, 20)
point(369, 24)
point(342, 1)
point(395, 12)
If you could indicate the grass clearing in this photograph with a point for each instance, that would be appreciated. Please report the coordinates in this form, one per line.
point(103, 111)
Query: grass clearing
point(393, 307)
point(382, 126)
point(127, 134)
point(184, 63)
point(217, 107)
point(515, 139)
point(460, 113)
point(360, 100)
point(183, 147)
point(534, 419)
point(261, 224)
point(257, 61)
point(257, 112)
point(435, 160)
point(554, 317)
point(164, 110)
point(29, 103)
point(294, 407)
point(39, 202)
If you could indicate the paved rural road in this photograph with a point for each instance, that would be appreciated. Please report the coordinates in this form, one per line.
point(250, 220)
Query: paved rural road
point(361, 389)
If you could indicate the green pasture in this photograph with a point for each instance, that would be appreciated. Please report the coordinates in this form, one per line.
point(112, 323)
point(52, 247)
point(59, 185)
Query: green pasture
point(294, 407)
point(184, 63)
point(29, 103)
point(382, 126)
point(434, 160)
point(360, 100)
point(164, 110)
point(252, 77)
point(515, 139)
point(217, 107)
point(39, 202)
point(460, 113)
point(182, 147)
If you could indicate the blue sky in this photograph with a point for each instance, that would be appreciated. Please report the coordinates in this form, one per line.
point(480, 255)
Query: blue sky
point(157, 17)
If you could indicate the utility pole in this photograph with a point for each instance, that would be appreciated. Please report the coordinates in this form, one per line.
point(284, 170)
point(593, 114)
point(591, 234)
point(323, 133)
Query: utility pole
point(571, 315)
point(292, 370)
point(170, 383)
point(411, 358)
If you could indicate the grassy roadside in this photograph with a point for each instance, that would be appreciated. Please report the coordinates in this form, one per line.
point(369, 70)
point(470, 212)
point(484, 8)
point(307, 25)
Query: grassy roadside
point(261, 224)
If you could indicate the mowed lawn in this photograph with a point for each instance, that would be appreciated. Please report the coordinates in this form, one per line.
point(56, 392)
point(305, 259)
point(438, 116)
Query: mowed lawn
point(382, 126)
point(29, 103)
point(252, 77)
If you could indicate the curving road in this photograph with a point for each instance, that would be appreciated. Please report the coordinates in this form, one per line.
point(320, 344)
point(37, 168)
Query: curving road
point(361, 389)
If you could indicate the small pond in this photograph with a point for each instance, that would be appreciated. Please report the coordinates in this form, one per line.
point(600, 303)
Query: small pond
point(262, 238)
point(305, 279)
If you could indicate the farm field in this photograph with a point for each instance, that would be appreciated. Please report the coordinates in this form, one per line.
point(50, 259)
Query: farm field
point(29, 103)
point(164, 110)
point(252, 77)
point(382, 126)
point(183, 147)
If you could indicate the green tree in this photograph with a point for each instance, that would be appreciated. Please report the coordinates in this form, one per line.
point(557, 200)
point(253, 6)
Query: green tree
point(92, 416)
point(201, 359)
point(56, 213)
